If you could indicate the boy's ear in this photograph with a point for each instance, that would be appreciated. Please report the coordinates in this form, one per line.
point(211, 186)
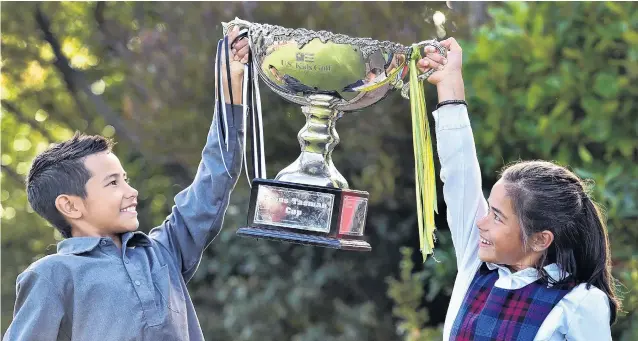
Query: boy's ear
point(70, 206)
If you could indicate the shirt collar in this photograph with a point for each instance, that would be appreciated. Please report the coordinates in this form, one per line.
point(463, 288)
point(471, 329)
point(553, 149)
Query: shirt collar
point(136, 238)
point(553, 270)
point(77, 245)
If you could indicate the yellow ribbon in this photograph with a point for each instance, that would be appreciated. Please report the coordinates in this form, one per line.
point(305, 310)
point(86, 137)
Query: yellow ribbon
point(423, 159)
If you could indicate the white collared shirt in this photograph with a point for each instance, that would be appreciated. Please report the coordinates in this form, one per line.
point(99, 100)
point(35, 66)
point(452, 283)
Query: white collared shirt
point(582, 314)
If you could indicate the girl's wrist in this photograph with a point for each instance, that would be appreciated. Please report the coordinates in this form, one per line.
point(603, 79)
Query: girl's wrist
point(451, 88)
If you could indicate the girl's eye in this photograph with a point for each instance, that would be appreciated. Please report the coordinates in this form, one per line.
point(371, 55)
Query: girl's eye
point(114, 182)
point(496, 218)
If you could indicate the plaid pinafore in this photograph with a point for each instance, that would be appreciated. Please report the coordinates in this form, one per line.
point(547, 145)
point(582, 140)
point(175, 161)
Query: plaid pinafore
point(491, 313)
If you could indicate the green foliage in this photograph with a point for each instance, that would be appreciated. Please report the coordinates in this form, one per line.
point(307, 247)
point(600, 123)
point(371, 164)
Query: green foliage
point(408, 293)
point(142, 73)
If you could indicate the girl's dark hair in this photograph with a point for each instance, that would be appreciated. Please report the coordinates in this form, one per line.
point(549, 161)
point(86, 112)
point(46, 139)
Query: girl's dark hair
point(546, 196)
point(60, 170)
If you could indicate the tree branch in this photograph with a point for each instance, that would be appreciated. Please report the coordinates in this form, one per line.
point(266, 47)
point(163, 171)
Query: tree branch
point(12, 174)
point(77, 83)
point(24, 119)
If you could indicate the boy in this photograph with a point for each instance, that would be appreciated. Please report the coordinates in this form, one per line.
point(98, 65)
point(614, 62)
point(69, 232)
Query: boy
point(107, 281)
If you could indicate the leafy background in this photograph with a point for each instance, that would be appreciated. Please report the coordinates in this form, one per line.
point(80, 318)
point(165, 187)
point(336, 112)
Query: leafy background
point(556, 81)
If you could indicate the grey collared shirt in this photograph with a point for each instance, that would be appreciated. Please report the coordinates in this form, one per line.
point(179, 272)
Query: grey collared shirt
point(92, 290)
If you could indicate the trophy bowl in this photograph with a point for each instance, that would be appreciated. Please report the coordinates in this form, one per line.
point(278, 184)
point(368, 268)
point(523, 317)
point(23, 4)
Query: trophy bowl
point(309, 202)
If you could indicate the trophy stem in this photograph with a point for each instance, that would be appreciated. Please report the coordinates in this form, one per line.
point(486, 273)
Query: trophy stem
point(317, 139)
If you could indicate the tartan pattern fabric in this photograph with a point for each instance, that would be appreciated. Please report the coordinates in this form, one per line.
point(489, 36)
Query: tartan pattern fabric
point(491, 313)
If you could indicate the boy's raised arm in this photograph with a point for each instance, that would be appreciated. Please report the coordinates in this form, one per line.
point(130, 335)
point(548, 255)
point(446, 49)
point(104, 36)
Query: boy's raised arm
point(199, 210)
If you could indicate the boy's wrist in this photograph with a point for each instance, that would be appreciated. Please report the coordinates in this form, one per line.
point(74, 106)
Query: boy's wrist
point(236, 83)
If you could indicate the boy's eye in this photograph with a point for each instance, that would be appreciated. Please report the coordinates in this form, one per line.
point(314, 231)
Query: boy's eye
point(114, 182)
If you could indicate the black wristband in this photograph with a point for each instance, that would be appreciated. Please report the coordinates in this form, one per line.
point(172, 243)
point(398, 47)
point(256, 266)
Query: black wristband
point(452, 101)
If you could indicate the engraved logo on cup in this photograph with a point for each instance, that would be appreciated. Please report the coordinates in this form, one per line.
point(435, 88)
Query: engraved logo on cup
point(305, 57)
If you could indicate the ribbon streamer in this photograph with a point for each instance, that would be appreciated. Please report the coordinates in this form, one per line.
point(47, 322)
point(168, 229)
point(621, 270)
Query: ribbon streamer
point(220, 107)
point(251, 108)
point(423, 159)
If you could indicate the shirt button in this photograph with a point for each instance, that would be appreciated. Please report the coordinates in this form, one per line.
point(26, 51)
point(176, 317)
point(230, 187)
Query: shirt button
point(103, 242)
point(137, 283)
point(126, 261)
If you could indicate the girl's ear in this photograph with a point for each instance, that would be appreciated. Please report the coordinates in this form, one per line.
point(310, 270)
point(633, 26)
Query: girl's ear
point(542, 240)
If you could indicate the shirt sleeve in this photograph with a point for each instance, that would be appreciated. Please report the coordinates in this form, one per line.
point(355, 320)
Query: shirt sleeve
point(38, 312)
point(461, 178)
point(590, 320)
point(198, 213)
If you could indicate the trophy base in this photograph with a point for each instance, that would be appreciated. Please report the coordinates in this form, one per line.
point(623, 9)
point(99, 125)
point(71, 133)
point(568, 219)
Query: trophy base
point(303, 239)
point(307, 214)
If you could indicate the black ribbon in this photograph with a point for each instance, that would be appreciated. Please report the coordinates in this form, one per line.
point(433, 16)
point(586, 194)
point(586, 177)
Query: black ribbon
point(251, 104)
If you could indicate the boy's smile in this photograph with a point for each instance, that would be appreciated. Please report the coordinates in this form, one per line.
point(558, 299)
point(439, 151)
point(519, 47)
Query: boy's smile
point(131, 209)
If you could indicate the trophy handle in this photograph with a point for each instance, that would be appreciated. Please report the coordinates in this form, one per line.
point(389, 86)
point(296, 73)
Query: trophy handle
point(405, 90)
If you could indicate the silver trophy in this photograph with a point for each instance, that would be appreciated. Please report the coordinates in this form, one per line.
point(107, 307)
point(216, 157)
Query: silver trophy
point(310, 202)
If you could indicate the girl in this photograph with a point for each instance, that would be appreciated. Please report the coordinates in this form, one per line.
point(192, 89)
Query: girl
point(533, 260)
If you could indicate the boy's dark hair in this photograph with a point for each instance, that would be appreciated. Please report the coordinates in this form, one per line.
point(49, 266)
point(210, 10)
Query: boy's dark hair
point(546, 196)
point(60, 170)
